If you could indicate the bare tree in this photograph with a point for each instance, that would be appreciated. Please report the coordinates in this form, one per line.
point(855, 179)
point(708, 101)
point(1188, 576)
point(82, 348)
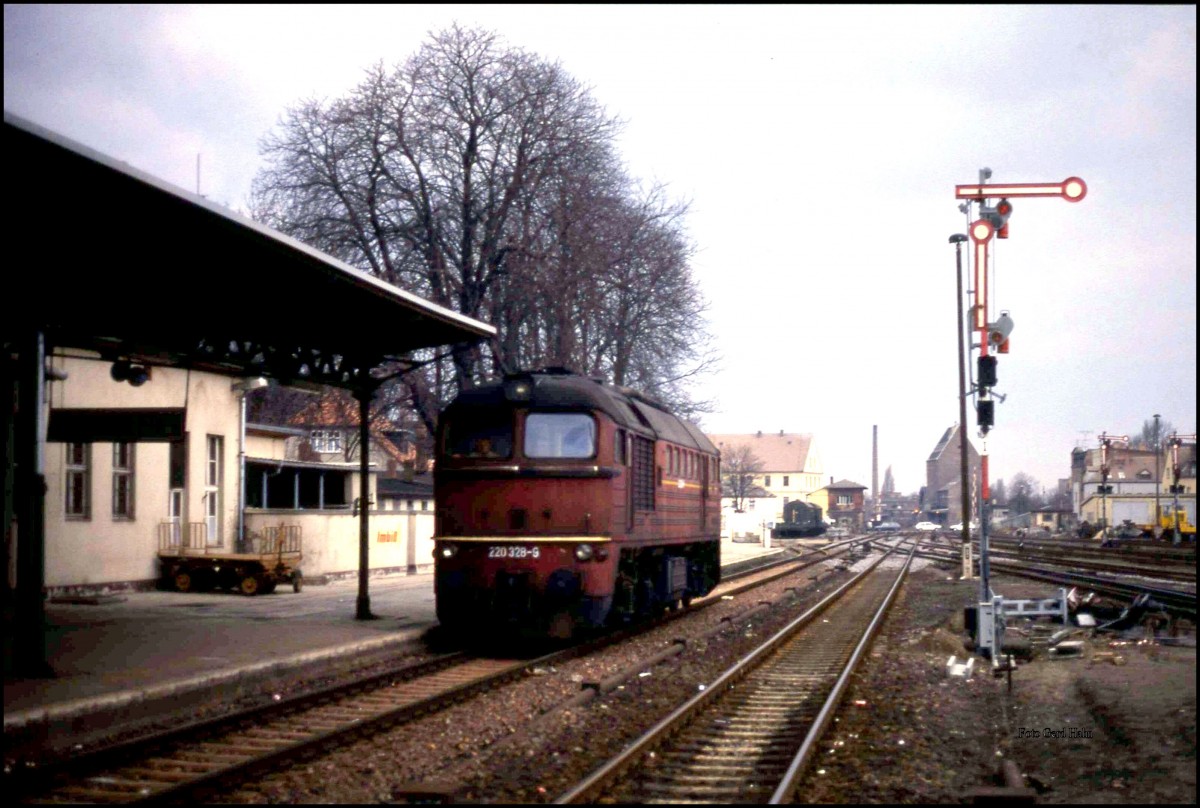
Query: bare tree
point(486, 179)
point(1152, 434)
point(1025, 495)
point(738, 468)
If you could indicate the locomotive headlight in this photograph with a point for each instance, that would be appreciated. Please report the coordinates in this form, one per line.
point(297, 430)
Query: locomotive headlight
point(518, 389)
point(583, 552)
point(448, 550)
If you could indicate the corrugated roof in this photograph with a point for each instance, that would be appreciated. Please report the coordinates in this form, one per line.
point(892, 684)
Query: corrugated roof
point(778, 452)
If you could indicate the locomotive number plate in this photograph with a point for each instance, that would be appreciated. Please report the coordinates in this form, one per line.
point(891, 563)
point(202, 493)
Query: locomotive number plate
point(513, 551)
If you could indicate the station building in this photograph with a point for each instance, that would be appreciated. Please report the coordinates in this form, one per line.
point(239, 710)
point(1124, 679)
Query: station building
point(112, 505)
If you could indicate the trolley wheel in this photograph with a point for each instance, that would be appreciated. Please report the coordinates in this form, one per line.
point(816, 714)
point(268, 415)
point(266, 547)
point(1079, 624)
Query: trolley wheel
point(269, 586)
point(297, 581)
point(183, 581)
point(250, 585)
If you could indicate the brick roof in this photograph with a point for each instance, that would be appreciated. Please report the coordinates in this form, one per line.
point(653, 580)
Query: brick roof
point(779, 452)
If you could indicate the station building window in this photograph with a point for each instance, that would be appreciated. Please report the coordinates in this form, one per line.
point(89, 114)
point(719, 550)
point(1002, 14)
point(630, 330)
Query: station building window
point(78, 480)
point(122, 483)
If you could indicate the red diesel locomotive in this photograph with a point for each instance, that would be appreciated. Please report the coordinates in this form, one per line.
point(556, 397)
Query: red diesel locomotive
point(563, 502)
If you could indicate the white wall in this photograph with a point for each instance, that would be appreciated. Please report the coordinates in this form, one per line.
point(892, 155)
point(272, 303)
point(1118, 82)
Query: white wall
point(329, 541)
point(102, 549)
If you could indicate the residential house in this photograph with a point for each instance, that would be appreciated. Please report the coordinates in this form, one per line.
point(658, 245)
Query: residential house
point(791, 466)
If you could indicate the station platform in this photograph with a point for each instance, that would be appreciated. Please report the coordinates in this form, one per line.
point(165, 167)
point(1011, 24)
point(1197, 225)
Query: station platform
point(119, 659)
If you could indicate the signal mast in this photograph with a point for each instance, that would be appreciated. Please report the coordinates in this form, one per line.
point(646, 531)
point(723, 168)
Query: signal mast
point(993, 221)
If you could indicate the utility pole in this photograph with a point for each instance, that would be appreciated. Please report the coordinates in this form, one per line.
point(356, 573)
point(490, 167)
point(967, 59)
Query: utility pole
point(1156, 531)
point(968, 563)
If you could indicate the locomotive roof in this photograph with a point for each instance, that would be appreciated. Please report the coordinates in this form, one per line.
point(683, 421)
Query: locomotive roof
point(556, 390)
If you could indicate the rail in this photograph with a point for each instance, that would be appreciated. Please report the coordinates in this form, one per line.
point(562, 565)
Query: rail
point(771, 720)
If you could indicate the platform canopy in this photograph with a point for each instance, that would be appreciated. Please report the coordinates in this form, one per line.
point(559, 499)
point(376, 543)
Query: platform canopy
point(105, 257)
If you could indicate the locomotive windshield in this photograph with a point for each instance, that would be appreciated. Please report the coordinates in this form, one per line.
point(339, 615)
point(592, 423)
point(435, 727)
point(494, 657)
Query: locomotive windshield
point(559, 435)
point(484, 435)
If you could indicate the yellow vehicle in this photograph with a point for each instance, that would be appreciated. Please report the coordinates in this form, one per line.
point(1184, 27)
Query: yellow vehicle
point(1167, 522)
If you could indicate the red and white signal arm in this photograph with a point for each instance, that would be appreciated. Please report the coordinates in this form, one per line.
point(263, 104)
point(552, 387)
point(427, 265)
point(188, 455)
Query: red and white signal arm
point(1072, 189)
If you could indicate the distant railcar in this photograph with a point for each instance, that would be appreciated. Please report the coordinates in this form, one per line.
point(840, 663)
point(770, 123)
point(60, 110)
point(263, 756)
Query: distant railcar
point(800, 519)
point(563, 502)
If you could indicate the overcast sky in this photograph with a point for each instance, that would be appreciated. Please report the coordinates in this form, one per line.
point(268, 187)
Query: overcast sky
point(819, 147)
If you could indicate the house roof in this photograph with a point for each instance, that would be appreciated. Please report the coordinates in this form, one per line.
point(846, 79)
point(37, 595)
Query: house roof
point(845, 484)
point(338, 408)
point(786, 451)
point(943, 443)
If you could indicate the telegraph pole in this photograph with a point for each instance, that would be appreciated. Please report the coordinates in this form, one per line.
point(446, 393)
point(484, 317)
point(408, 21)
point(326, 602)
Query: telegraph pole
point(1156, 531)
point(968, 563)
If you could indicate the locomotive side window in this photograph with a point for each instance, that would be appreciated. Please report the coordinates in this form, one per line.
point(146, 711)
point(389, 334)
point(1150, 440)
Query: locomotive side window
point(483, 436)
point(559, 435)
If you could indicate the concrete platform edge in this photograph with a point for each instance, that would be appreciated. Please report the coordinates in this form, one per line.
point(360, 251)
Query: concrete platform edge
point(192, 691)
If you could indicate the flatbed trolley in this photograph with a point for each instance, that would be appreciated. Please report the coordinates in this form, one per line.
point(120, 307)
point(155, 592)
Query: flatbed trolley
point(188, 564)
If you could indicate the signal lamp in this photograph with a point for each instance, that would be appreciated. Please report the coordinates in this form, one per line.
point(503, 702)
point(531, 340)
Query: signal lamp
point(987, 371)
point(583, 552)
point(1004, 209)
point(986, 414)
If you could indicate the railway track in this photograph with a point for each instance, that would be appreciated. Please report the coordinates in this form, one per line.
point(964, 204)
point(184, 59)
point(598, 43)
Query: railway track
point(1176, 601)
point(202, 758)
point(748, 736)
point(1148, 551)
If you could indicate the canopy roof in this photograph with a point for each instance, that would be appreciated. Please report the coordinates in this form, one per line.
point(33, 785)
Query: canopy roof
point(111, 259)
